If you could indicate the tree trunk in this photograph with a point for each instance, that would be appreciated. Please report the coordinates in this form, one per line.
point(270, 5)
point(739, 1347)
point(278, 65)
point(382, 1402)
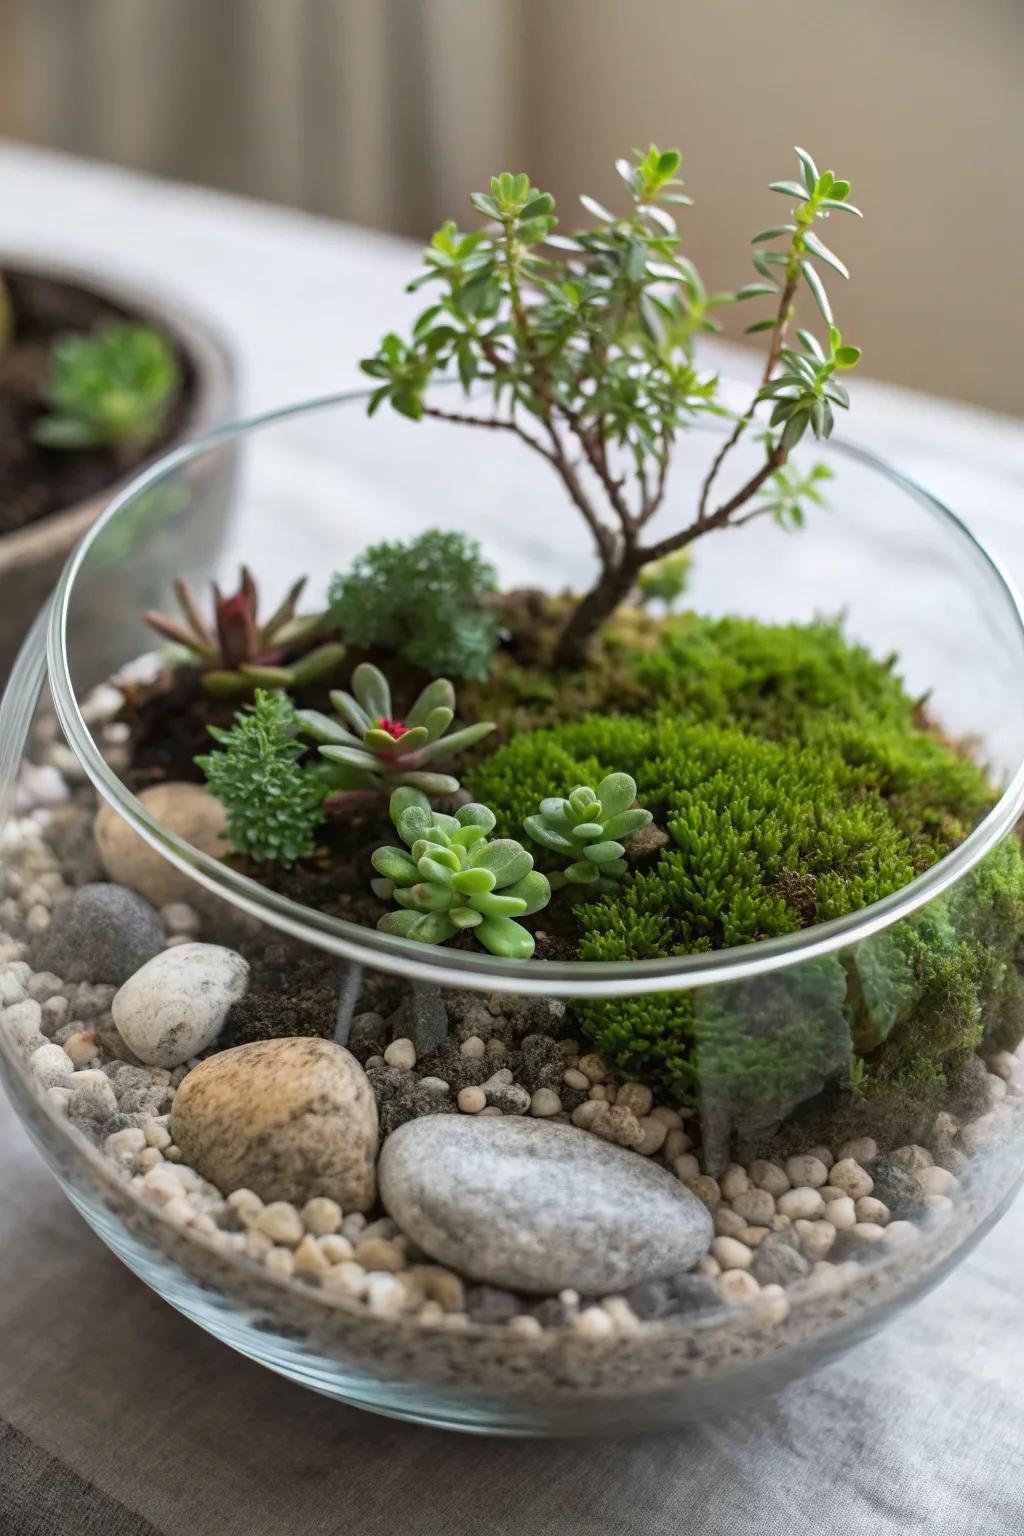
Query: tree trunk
point(590, 613)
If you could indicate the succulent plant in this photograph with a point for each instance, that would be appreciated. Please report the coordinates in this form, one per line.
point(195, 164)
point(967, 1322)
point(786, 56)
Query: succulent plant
point(587, 828)
point(456, 878)
point(374, 753)
point(110, 389)
point(236, 652)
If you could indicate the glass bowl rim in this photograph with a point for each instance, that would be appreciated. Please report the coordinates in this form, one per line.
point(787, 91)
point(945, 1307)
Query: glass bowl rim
point(482, 972)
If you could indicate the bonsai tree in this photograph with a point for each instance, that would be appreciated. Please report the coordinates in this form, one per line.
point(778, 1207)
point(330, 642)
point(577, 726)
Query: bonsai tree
point(585, 346)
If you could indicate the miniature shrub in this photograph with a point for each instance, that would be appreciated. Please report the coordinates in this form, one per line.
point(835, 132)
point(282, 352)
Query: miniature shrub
point(274, 804)
point(424, 600)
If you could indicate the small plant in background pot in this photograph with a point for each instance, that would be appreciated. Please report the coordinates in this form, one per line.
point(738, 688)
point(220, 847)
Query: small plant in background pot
point(111, 390)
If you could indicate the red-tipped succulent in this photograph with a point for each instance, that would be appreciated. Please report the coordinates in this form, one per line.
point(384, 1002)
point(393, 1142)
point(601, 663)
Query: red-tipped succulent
point(236, 652)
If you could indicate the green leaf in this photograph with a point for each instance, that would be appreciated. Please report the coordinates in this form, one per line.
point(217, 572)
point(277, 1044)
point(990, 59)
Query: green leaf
point(842, 207)
point(753, 290)
point(772, 233)
point(537, 829)
point(794, 429)
point(506, 938)
point(598, 210)
point(533, 889)
point(810, 170)
point(474, 882)
point(430, 783)
point(424, 927)
point(495, 904)
point(405, 800)
point(474, 815)
point(371, 688)
point(323, 729)
point(822, 251)
point(759, 325)
point(439, 694)
point(847, 357)
point(428, 895)
point(616, 793)
point(627, 822)
point(507, 860)
point(816, 286)
point(790, 188)
point(603, 853)
point(396, 865)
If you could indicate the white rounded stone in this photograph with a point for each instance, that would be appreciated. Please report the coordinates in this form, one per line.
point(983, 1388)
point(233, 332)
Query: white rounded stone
point(801, 1204)
point(175, 1005)
point(848, 1175)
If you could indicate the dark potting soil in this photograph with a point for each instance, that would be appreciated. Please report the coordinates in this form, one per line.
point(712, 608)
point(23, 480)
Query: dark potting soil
point(35, 481)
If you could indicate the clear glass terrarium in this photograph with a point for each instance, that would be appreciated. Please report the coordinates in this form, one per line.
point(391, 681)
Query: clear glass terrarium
point(771, 1021)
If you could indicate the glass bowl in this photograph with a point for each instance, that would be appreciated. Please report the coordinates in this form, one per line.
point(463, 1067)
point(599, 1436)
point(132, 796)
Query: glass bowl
point(310, 487)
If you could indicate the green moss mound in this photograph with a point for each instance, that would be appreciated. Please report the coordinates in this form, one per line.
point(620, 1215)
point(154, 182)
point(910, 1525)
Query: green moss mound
point(798, 783)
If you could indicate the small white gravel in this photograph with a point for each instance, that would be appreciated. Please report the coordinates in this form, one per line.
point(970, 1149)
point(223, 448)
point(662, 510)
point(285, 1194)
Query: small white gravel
point(401, 1054)
point(851, 1178)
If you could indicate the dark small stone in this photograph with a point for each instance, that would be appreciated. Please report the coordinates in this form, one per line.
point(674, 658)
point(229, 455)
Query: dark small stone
point(512, 1100)
point(653, 1298)
point(100, 933)
point(694, 1293)
point(490, 1304)
point(778, 1264)
point(368, 1035)
point(896, 1187)
point(550, 1313)
point(422, 1018)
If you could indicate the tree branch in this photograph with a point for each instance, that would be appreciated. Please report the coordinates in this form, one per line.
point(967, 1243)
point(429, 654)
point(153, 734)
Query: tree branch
point(782, 319)
point(720, 518)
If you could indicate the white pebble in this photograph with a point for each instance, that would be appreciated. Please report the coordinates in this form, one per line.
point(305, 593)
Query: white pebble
point(912, 1158)
point(385, 1294)
point(737, 1287)
point(899, 1233)
point(434, 1084)
point(59, 1098)
point(728, 1222)
point(939, 1205)
point(801, 1204)
point(731, 1253)
point(472, 1101)
point(593, 1323)
point(936, 1181)
point(637, 1097)
point(401, 1054)
point(257, 1244)
point(572, 1078)
point(335, 1248)
point(321, 1215)
point(280, 1262)
point(734, 1181)
point(309, 1257)
point(867, 1232)
point(179, 917)
point(686, 1167)
point(769, 1176)
point(773, 1305)
point(653, 1134)
point(676, 1143)
point(841, 1213)
point(755, 1206)
point(474, 1048)
point(544, 1103)
point(281, 1222)
point(863, 1150)
point(816, 1237)
point(621, 1313)
point(24, 1021)
point(851, 1178)
point(872, 1210)
point(82, 1048)
point(523, 1324)
point(806, 1172)
point(156, 1135)
point(51, 1065)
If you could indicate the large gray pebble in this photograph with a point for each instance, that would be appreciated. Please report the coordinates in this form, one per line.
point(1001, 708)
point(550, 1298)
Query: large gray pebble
point(102, 932)
point(533, 1206)
point(175, 1006)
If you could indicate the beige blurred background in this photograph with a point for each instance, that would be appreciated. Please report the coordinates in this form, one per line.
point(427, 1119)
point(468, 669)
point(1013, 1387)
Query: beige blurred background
point(386, 112)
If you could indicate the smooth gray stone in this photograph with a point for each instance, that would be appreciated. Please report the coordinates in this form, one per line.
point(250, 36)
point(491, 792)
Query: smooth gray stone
point(532, 1206)
point(101, 932)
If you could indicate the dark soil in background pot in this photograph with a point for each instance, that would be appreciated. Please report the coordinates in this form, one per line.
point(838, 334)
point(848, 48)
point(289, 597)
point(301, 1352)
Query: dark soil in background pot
point(35, 481)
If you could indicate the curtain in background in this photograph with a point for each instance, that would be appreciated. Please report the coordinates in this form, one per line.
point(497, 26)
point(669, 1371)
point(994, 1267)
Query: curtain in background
point(386, 112)
point(377, 111)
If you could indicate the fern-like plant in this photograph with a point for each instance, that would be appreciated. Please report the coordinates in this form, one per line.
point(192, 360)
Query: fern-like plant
point(274, 803)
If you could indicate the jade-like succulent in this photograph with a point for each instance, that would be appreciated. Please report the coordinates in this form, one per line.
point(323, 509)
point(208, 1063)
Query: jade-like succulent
point(111, 389)
point(587, 828)
point(374, 753)
point(454, 877)
point(237, 653)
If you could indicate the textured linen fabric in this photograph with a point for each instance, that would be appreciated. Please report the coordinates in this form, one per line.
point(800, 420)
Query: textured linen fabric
point(124, 1418)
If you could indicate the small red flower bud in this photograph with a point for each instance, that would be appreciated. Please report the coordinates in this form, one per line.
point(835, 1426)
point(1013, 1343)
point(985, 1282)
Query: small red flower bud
point(394, 728)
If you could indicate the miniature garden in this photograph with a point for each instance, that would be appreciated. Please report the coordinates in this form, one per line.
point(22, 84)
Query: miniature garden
point(602, 777)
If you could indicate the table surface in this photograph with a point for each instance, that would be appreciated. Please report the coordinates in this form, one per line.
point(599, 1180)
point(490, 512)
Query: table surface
point(119, 1418)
